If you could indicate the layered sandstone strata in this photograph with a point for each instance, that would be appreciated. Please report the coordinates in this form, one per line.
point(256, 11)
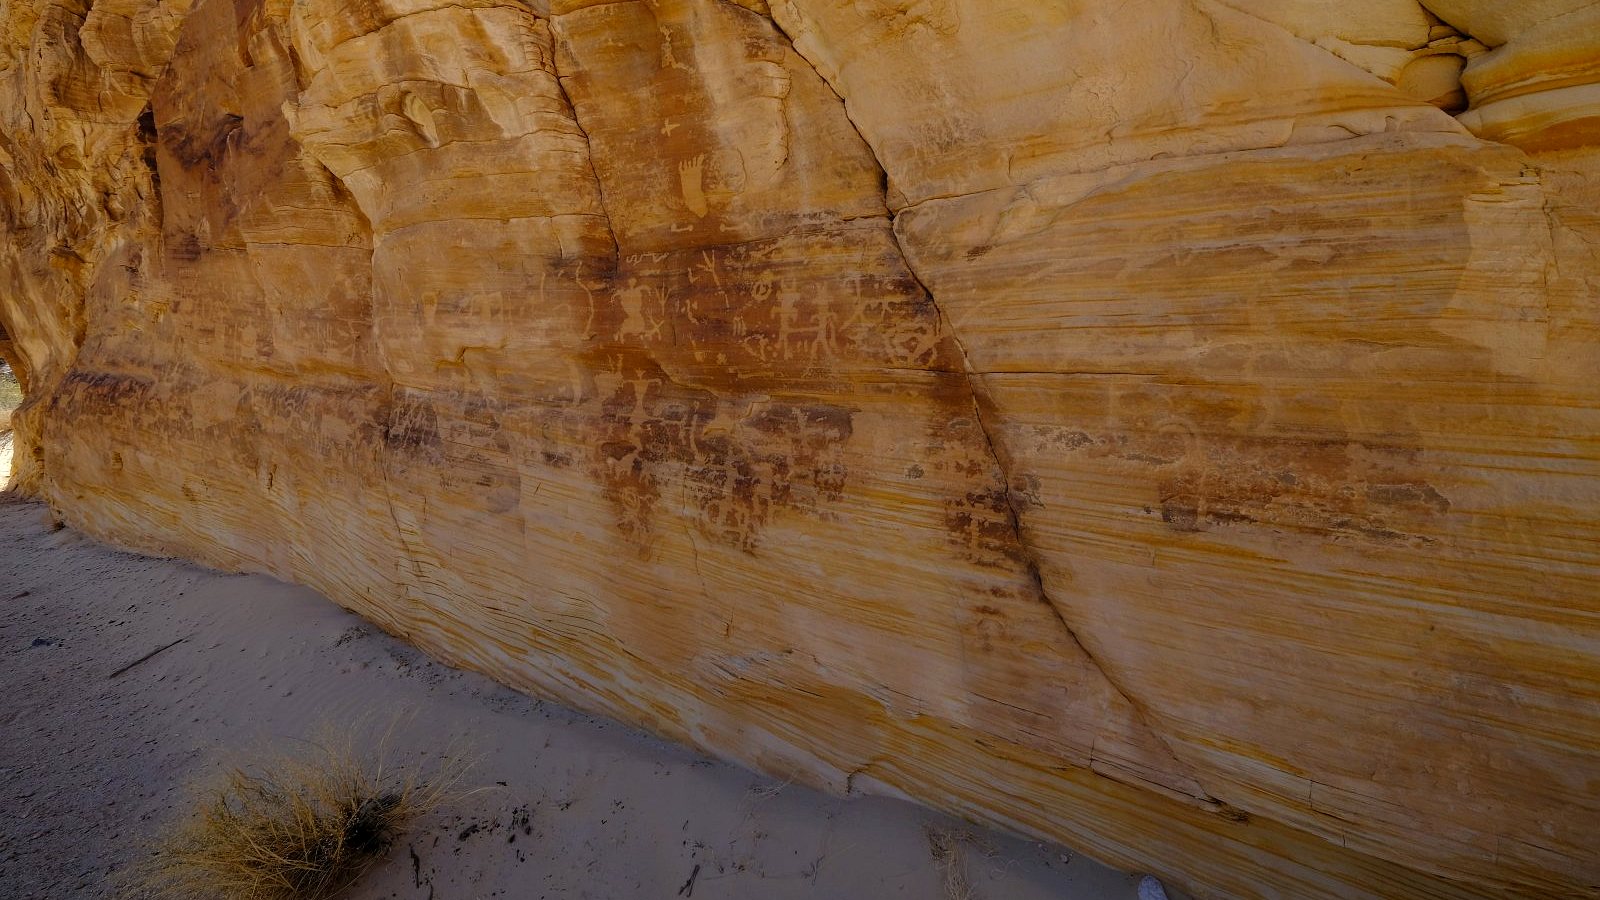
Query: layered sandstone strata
point(1165, 429)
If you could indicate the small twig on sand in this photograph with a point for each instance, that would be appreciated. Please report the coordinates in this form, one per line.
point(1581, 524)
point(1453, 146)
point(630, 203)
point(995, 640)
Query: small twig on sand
point(147, 657)
point(688, 886)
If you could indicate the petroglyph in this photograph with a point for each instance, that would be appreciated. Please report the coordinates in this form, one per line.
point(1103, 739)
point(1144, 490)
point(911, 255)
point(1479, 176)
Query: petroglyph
point(691, 180)
point(733, 464)
point(1329, 486)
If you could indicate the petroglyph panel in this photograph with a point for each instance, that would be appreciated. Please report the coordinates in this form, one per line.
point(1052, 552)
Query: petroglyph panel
point(1165, 430)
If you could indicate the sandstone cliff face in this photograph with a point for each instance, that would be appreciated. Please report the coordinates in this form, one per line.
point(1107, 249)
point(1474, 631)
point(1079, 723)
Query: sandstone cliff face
point(1165, 429)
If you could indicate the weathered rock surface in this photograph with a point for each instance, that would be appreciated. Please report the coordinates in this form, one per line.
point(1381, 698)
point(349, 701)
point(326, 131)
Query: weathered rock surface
point(1165, 429)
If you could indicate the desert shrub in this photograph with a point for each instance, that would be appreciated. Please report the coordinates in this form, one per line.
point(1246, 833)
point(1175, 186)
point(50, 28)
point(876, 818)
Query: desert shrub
point(295, 828)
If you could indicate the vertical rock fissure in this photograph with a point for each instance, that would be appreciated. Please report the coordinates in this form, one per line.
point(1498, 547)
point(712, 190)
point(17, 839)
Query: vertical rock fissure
point(1013, 508)
point(599, 186)
point(149, 141)
point(1031, 561)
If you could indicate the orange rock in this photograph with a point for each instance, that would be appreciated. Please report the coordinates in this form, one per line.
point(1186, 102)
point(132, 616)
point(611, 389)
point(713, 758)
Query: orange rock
point(1164, 430)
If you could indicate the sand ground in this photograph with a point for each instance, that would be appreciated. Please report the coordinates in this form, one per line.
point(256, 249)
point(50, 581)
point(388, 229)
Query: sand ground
point(92, 764)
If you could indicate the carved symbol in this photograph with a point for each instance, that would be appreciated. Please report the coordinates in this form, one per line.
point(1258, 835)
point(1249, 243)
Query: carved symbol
point(691, 179)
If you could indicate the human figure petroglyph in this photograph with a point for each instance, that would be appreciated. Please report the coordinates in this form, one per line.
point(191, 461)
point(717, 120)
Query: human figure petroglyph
point(669, 57)
point(735, 461)
point(631, 298)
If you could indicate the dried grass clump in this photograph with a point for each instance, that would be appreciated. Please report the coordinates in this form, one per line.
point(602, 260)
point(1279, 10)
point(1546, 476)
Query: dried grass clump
point(292, 829)
point(946, 847)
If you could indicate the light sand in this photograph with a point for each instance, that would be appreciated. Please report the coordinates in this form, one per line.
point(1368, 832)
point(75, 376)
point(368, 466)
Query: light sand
point(90, 765)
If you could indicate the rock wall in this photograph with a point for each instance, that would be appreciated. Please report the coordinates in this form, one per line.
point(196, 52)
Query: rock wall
point(1170, 429)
